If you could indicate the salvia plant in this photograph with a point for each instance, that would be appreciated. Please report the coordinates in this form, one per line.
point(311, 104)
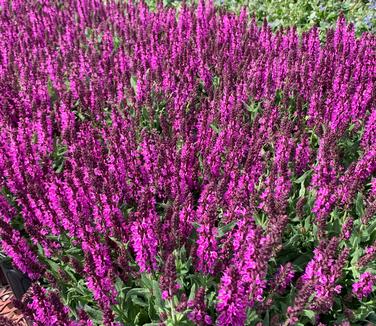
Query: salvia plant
point(186, 166)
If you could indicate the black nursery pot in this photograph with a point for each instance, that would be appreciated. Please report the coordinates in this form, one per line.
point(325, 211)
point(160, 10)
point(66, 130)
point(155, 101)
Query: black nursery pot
point(18, 281)
point(3, 280)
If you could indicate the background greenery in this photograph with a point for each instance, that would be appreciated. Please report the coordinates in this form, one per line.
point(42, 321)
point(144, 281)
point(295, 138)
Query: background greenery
point(302, 13)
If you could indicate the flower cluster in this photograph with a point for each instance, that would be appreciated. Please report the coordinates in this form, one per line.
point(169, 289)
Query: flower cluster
point(131, 136)
point(198, 312)
point(364, 286)
point(283, 277)
point(320, 279)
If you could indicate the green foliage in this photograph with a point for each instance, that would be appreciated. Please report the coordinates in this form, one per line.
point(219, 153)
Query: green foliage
point(58, 158)
point(306, 13)
point(303, 14)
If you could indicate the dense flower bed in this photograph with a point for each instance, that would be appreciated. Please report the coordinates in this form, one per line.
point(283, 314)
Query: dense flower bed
point(186, 167)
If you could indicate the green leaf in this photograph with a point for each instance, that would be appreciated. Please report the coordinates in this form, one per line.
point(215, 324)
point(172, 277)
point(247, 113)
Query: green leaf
point(266, 321)
point(302, 260)
point(71, 274)
point(74, 251)
point(196, 225)
point(137, 292)
point(133, 82)
point(117, 41)
point(60, 167)
point(152, 311)
point(226, 228)
point(303, 177)
point(120, 287)
point(371, 230)
point(138, 301)
point(40, 250)
point(95, 314)
point(216, 81)
point(302, 190)
point(309, 313)
point(81, 116)
point(192, 294)
point(359, 205)
point(51, 90)
point(157, 296)
point(356, 254)
point(307, 223)
point(372, 317)
point(215, 128)
point(54, 266)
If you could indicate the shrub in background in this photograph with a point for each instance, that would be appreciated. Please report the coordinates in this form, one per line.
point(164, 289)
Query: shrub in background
point(303, 14)
point(186, 167)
